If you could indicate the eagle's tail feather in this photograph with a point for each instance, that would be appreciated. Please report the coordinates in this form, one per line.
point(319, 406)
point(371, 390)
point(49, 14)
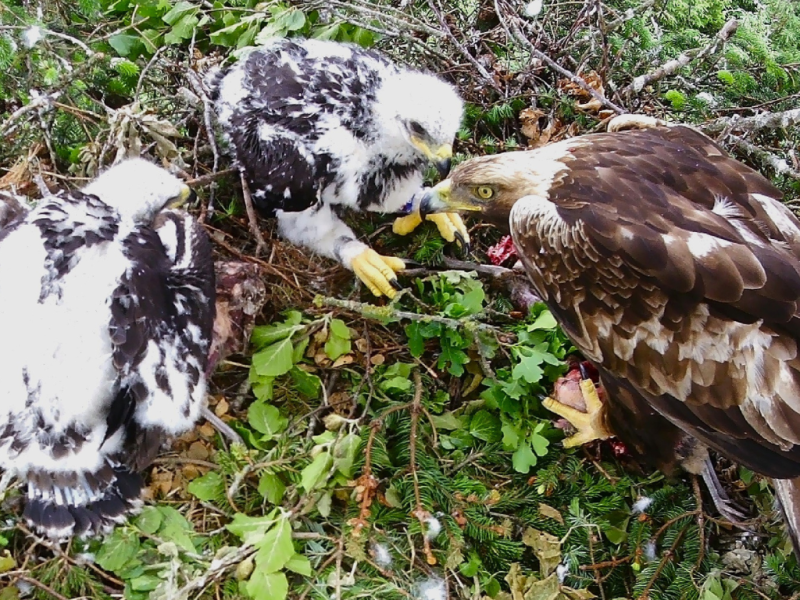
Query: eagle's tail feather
point(62, 505)
point(788, 493)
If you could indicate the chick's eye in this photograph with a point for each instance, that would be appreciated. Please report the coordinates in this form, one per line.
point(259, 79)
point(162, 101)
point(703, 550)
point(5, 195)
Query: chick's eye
point(416, 128)
point(484, 192)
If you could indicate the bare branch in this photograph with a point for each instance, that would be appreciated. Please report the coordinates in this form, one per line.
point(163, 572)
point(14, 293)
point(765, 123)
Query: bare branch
point(513, 30)
point(767, 120)
point(778, 164)
point(464, 52)
point(671, 67)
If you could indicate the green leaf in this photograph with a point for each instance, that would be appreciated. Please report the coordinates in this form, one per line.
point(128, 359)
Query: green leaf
point(123, 43)
point(344, 454)
point(149, 520)
point(271, 487)
point(676, 98)
point(117, 550)
point(329, 32)
point(470, 568)
point(182, 30)
point(251, 530)
point(447, 421)
point(317, 472)
point(265, 335)
point(416, 343)
point(176, 528)
point(485, 426)
point(276, 548)
point(209, 486)
point(523, 459)
point(338, 342)
point(262, 387)
point(511, 436)
point(178, 11)
point(306, 383)
point(400, 384)
point(539, 443)
point(267, 586)
point(299, 564)
point(145, 583)
point(266, 419)
point(545, 320)
point(292, 19)
point(275, 359)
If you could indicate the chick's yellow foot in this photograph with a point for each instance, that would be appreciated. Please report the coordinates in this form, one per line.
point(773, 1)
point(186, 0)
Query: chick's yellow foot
point(451, 228)
point(590, 424)
point(378, 272)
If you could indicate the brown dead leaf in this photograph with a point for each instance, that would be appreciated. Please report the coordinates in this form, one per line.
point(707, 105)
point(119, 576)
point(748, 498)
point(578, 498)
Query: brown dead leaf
point(190, 472)
point(362, 345)
point(321, 359)
point(550, 513)
point(198, 451)
point(587, 102)
point(207, 430)
point(529, 121)
point(343, 360)
point(161, 482)
point(221, 408)
point(377, 360)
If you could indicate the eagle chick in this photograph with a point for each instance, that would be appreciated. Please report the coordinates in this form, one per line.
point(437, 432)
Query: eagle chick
point(107, 299)
point(319, 127)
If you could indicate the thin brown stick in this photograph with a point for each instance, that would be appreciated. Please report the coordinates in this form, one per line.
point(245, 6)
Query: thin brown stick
point(43, 587)
point(261, 245)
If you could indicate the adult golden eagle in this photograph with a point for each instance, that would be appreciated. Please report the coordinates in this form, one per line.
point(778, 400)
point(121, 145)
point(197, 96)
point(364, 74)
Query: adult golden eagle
point(675, 269)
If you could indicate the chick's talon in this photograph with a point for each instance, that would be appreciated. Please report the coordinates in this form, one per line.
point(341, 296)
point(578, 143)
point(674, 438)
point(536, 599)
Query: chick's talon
point(451, 228)
point(378, 272)
point(590, 424)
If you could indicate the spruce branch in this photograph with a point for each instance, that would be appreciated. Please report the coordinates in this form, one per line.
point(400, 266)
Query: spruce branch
point(422, 515)
point(672, 66)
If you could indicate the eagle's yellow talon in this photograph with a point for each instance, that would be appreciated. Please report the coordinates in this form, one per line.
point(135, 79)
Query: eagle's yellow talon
point(407, 224)
point(378, 272)
point(590, 424)
point(451, 227)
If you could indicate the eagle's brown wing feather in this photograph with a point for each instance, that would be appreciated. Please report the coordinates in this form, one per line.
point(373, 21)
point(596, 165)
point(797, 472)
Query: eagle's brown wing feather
point(676, 268)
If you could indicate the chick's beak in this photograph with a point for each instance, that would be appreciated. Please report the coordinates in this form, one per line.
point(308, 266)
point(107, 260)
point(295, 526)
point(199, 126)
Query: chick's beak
point(442, 158)
point(187, 196)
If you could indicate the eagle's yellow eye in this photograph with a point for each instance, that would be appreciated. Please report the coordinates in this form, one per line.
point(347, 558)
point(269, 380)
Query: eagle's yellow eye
point(484, 192)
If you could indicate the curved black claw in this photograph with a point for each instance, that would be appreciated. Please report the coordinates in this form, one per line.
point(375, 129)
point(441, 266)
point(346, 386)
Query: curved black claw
point(412, 264)
point(396, 284)
point(584, 371)
point(463, 243)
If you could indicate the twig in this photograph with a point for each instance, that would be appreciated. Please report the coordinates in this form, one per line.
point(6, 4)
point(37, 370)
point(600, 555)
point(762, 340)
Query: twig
point(767, 120)
point(261, 245)
point(144, 72)
point(422, 515)
point(370, 311)
point(206, 179)
point(671, 67)
point(775, 162)
point(208, 121)
point(48, 98)
point(513, 31)
point(43, 587)
point(464, 52)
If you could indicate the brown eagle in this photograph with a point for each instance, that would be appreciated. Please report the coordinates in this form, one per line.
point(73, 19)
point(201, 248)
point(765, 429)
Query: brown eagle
point(675, 270)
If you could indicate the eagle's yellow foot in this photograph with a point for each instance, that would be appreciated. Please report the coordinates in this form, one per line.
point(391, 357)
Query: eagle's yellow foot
point(378, 272)
point(407, 224)
point(450, 226)
point(590, 424)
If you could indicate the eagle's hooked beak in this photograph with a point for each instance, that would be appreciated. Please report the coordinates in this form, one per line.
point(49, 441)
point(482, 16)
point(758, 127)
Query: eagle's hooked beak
point(440, 157)
point(436, 199)
point(187, 196)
